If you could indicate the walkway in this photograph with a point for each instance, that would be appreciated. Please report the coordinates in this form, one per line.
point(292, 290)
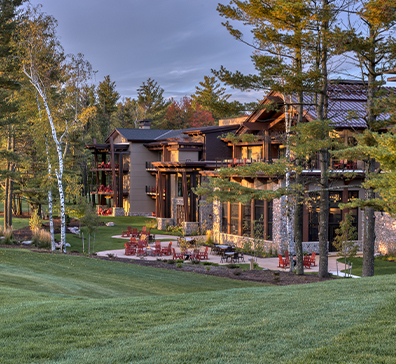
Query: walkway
point(265, 263)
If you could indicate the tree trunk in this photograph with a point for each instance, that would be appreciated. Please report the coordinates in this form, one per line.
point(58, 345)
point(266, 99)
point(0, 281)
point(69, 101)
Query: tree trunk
point(298, 229)
point(369, 230)
point(323, 215)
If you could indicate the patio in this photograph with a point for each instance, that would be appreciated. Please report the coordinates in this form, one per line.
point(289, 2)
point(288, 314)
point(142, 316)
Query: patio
point(265, 263)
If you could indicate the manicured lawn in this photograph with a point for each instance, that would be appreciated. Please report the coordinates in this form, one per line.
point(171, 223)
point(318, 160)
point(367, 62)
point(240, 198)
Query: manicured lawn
point(381, 267)
point(67, 309)
point(17, 223)
point(104, 240)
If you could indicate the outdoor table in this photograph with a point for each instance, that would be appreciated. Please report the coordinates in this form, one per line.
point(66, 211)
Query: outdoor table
point(229, 255)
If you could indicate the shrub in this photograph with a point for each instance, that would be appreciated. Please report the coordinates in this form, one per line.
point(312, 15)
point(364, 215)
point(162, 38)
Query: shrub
point(41, 239)
point(35, 221)
point(195, 261)
point(232, 266)
point(207, 263)
point(179, 261)
point(237, 272)
point(179, 265)
point(170, 261)
point(207, 268)
point(8, 236)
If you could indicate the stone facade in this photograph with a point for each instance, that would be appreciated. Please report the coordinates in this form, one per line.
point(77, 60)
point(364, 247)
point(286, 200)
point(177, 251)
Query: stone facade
point(163, 223)
point(205, 213)
point(385, 233)
point(118, 211)
point(190, 228)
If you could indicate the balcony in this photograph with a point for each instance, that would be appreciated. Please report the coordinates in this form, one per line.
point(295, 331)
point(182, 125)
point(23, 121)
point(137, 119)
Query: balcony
point(150, 167)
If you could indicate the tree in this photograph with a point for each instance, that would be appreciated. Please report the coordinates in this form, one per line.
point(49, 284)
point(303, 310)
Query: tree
point(107, 103)
point(8, 107)
point(150, 97)
point(183, 114)
point(212, 97)
point(370, 38)
point(292, 42)
point(56, 82)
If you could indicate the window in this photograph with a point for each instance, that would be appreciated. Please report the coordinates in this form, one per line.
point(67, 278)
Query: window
point(224, 228)
point(246, 219)
point(234, 221)
point(269, 220)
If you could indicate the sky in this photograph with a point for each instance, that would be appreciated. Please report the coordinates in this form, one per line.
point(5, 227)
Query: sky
point(174, 42)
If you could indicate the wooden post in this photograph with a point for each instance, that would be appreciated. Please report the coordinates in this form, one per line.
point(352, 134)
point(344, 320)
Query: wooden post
point(113, 173)
point(185, 197)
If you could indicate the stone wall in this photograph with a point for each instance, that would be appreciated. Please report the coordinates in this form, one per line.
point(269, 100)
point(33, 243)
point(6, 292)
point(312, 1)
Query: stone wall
point(163, 223)
point(190, 228)
point(118, 211)
point(205, 213)
point(385, 233)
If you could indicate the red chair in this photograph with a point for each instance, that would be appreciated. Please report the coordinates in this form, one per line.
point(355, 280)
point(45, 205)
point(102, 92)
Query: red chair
point(129, 249)
point(157, 249)
point(312, 259)
point(141, 248)
point(204, 255)
point(177, 256)
point(125, 234)
point(307, 261)
point(167, 250)
point(287, 257)
point(282, 262)
point(135, 233)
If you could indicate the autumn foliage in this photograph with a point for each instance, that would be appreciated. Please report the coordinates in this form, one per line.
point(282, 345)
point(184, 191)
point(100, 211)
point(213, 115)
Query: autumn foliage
point(183, 114)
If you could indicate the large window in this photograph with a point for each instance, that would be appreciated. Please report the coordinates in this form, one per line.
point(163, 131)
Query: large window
point(224, 228)
point(246, 219)
point(234, 221)
point(269, 220)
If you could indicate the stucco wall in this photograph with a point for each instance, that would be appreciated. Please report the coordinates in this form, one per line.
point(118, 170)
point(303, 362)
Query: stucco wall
point(140, 203)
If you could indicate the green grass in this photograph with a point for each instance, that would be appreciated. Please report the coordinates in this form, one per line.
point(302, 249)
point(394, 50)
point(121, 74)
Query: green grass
point(381, 267)
point(17, 223)
point(104, 240)
point(65, 309)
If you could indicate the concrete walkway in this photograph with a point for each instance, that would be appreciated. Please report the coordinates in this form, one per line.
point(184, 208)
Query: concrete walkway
point(265, 263)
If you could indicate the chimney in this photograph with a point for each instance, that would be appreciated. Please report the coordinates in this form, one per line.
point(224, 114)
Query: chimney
point(145, 124)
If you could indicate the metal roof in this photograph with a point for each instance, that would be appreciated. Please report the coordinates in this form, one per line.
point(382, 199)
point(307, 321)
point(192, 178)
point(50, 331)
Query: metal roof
point(140, 134)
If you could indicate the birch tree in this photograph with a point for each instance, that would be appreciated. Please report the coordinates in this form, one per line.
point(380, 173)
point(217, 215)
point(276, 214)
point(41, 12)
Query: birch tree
point(56, 80)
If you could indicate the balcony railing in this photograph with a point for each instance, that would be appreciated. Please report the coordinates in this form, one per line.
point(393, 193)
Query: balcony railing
point(150, 167)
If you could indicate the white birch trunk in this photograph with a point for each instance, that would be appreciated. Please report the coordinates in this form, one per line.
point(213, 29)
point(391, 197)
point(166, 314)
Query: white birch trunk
point(59, 171)
point(51, 221)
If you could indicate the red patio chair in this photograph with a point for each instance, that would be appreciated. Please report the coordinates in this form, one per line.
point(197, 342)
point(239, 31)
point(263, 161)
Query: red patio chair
point(204, 255)
point(167, 250)
point(125, 234)
point(307, 261)
point(287, 257)
point(141, 248)
point(129, 249)
point(135, 233)
point(282, 262)
point(157, 249)
point(312, 259)
point(177, 255)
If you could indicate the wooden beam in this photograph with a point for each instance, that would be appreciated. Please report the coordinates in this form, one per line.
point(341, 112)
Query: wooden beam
point(120, 181)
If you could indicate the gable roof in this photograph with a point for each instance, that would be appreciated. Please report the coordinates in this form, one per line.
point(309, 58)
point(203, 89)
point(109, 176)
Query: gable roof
point(346, 106)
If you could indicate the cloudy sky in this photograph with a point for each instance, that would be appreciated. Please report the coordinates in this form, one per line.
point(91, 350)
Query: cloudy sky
point(175, 42)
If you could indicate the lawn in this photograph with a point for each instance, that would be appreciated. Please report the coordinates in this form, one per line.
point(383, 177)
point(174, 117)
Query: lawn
point(381, 267)
point(68, 309)
point(103, 239)
point(17, 223)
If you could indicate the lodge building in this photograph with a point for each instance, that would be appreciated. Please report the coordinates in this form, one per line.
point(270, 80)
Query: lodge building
point(151, 172)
